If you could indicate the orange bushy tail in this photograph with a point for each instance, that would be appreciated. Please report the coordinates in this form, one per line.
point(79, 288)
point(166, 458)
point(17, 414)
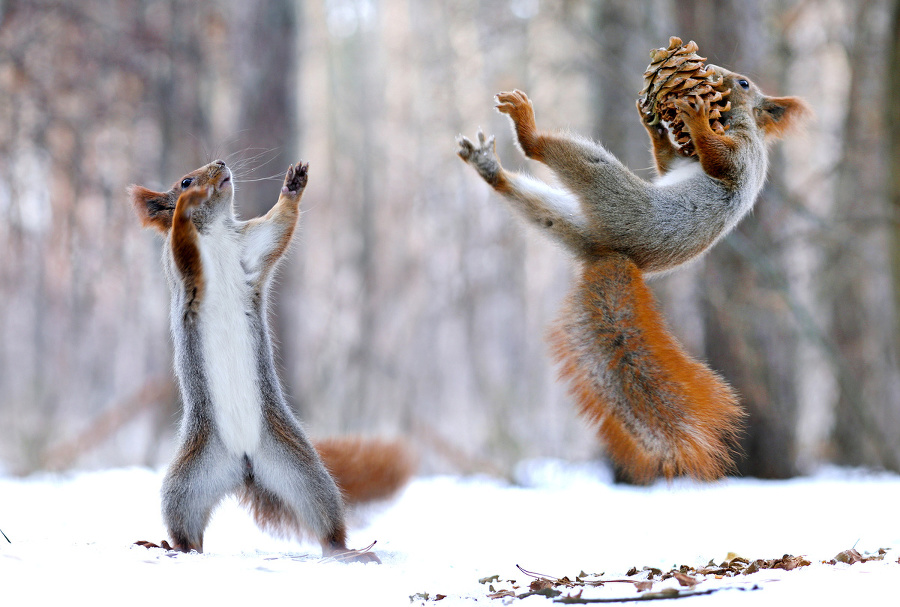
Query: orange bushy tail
point(659, 410)
point(365, 469)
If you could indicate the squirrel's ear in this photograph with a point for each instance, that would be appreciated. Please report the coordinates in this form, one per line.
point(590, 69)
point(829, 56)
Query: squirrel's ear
point(775, 116)
point(154, 209)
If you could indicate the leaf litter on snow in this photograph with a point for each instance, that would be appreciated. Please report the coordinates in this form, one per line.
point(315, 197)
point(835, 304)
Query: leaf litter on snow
point(643, 580)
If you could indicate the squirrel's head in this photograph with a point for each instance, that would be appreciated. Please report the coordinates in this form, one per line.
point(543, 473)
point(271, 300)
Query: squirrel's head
point(155, 209)
point(774, 116)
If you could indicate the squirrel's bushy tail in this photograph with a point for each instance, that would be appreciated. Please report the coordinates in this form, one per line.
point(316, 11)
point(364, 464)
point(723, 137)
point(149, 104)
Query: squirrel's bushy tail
point(366, 469)
point(658, 409)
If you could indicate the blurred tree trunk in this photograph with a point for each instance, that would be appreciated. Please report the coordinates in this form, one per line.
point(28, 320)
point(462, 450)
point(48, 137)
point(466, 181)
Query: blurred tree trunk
point(893, 169)
point(864, 323)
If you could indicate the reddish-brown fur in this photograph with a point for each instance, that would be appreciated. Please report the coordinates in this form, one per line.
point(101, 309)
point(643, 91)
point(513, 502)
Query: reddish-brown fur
point(779, 115)
point(366, 469)
point(658, 410)
point(185, 248)
point(716, 152)
point(518, 107)
point(154, 209)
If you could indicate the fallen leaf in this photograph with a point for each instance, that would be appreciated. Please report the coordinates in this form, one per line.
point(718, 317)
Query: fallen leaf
point(754, 567)
point(540, 584)
point(788, 562)
point(849, 556)
point(685, 580)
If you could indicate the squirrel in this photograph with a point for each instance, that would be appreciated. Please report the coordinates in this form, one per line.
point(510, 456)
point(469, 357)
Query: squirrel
point(238, 434)
point(658, 410)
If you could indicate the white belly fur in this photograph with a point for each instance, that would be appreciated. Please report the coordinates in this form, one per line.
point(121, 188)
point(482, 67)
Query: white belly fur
point(228, 347)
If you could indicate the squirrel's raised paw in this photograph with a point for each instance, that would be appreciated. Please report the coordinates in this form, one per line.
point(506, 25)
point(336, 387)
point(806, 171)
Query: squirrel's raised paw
point(468, 151)
point(295, 179)
point(482, 155)
point(194, 197)
point(514, 102)
point(697, 112)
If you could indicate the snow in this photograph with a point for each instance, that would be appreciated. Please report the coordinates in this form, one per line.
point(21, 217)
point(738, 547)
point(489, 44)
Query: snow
point(71, 539)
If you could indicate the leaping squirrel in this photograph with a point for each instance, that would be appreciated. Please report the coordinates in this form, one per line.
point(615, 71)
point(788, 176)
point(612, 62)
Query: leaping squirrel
point(659, 410)
point(238, 434)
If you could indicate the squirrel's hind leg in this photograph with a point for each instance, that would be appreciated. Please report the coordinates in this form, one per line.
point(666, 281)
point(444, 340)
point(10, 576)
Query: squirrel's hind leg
point(293, 491)
point(199, 477)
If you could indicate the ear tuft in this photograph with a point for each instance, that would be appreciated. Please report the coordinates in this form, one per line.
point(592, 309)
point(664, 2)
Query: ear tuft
point(154, 209)
point(776, 116)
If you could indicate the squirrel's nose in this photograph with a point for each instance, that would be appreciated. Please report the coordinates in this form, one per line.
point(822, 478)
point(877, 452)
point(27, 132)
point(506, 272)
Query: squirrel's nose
point(219, 162)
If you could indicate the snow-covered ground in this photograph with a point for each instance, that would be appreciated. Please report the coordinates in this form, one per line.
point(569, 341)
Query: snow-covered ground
point(71, 541)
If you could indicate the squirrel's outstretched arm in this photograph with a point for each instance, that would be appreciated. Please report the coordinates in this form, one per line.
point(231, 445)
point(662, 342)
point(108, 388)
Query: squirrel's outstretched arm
point(582, 166)
point(553, 210)
point(268, 236)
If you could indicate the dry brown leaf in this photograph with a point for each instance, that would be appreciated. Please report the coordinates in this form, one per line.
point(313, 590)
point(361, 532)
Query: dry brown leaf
point(540, 584)
point(788, 562)
point(685, 580)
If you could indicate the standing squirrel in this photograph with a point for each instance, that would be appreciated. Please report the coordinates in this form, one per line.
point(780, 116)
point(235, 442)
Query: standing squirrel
point(238, 434)
point(659, 410)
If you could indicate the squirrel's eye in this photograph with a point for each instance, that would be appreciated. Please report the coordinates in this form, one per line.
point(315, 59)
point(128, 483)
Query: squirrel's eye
point(186, 182)
point(744, 84)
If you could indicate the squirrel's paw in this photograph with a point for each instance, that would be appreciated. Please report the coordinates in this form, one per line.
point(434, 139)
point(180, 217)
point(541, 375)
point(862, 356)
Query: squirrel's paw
point(295, 179)
point(469, 152)
point(481, 156)
point(192, 198)
point(652, 123)
point(518, 107)
point(693, 113)
point(515, 103)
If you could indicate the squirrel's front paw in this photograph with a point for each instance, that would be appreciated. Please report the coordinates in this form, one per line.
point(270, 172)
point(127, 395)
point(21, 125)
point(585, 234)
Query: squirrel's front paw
point(516, 104)
point(693, 114)
point(295, 179)
point(519, 108)
point(481, 156)
point(469, 152)
point(192, 198)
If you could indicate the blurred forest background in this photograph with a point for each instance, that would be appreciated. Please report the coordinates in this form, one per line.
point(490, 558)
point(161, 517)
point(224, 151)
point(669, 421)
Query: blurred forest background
point(413, 303)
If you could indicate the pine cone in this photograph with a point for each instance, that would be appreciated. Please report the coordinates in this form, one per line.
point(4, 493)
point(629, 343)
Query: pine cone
point(676, 72)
